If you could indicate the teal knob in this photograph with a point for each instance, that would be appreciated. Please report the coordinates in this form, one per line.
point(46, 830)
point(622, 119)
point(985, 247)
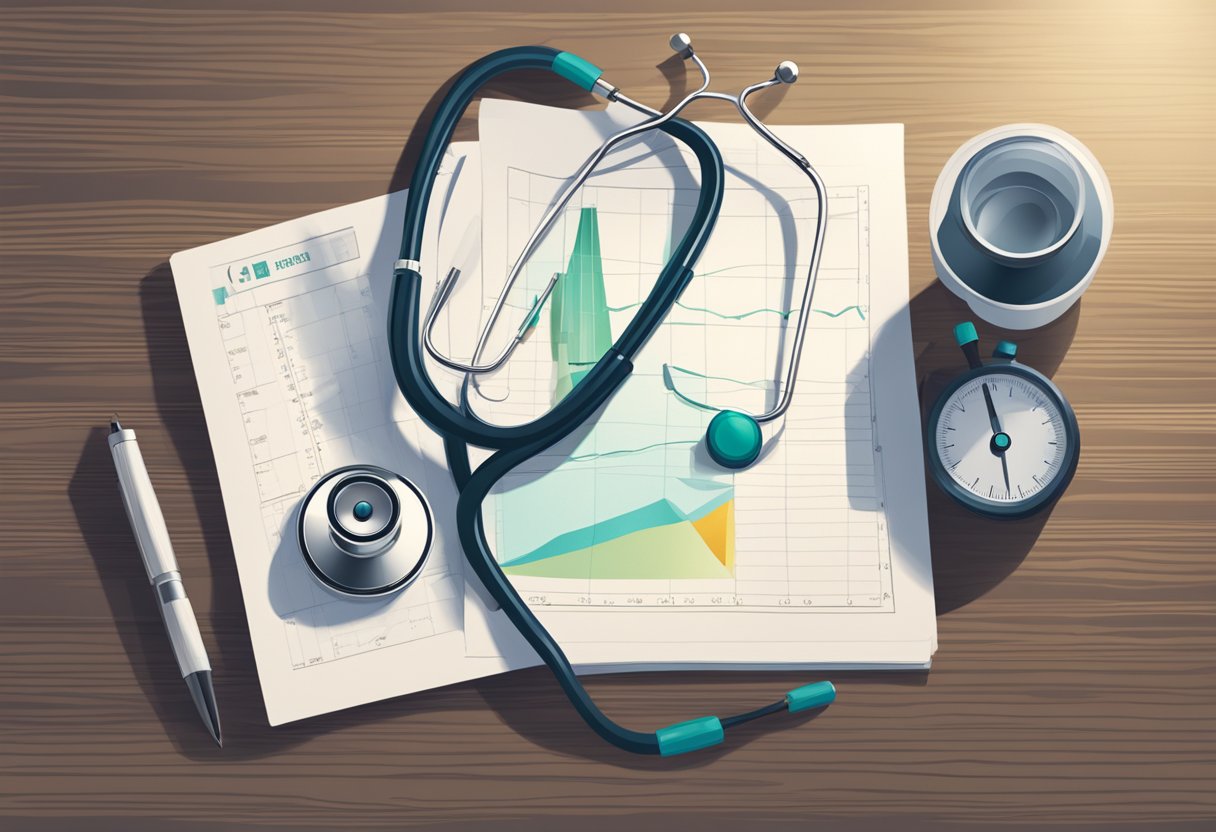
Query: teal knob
point(733, 439)
point(362, 510)
point(1005, 349)
point(965, 333)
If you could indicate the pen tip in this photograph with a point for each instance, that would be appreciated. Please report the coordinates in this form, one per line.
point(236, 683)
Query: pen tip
point(203, 694)
point(115, 425)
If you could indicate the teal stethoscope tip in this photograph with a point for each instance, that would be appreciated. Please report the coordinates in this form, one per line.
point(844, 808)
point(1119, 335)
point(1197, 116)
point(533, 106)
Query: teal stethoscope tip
point(733, 439)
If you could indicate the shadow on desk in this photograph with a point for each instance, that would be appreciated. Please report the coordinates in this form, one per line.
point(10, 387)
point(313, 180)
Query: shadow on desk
point(528, 701)
point(973, 554)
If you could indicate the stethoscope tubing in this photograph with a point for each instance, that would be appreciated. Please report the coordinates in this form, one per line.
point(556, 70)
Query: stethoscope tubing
point(471, 528)
point(515, 444)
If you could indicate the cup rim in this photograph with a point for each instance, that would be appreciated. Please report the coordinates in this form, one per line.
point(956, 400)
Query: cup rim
point(939, 211)
point(1020, 257)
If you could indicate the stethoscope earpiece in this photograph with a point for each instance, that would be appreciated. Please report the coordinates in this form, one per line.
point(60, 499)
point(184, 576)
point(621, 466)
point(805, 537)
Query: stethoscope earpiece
point(681, 44)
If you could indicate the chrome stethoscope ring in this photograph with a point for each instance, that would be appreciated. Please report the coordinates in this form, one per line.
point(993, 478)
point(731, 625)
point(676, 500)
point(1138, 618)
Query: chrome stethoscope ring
point(365, 531)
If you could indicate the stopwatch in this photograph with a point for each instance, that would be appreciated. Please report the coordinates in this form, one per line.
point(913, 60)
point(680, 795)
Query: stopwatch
point(1001, 439)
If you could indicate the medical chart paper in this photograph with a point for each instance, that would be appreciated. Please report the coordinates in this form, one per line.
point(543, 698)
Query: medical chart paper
point(634, 548)
point(287, 331)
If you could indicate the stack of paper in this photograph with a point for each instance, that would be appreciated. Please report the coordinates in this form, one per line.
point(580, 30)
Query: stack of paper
point(634, 549)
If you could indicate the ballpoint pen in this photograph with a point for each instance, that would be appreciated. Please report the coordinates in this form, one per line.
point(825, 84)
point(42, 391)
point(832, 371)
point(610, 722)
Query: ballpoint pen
point(148, 524)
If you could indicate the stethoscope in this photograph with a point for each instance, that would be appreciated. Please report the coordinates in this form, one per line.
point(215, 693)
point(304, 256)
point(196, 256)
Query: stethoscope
point(366, 531)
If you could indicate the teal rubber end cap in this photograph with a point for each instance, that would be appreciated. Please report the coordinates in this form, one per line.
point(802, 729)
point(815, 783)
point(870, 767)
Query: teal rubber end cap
point(577, 70)
point(1005, 349)
point(690, 736)
point(965, 333)
point(733, 439)
point(362, 510)
point(814, 695)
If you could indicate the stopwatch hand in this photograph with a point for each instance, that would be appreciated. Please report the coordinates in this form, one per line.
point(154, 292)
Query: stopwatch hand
point(992, 417)
point(1005, 471)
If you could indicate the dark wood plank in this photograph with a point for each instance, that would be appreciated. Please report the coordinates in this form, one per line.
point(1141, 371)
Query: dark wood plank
point(1074, 684)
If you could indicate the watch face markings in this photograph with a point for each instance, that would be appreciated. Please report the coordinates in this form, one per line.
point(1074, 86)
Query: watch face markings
point(972, 460)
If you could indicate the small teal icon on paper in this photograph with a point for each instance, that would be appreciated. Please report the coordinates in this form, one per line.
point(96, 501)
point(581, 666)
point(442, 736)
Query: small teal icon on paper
point(220, 295)
point(260, 269)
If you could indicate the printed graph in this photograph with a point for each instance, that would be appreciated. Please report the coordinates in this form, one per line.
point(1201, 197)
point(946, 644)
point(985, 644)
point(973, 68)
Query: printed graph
point(658, 540)
point(632, 511)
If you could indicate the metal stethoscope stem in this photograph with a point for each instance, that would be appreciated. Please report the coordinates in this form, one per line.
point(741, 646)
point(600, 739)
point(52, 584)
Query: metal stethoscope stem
point(786, 73)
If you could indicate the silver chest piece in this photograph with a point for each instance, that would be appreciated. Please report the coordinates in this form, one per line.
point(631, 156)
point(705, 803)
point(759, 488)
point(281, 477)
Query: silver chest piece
point(365, 531)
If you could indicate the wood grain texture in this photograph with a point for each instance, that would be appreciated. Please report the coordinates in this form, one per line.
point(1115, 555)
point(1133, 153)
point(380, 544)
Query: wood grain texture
point(1074, 683)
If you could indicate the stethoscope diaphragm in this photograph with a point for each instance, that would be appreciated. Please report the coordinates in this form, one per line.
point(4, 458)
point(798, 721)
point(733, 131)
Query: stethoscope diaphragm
point(365, 531)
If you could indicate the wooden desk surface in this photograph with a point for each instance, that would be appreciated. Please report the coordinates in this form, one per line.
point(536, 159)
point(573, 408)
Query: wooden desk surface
point(1074, 682)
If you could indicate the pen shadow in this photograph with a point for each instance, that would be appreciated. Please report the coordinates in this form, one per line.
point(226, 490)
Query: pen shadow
point(100, 514)
point(106, 530)
point(103, 523)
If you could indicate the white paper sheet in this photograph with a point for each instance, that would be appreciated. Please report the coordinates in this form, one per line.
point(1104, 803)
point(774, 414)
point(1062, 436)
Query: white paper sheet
point(287, 331)
point(822, 551)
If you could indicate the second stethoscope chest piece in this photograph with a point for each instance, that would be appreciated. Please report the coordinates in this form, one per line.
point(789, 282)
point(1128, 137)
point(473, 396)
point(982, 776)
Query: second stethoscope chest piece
point(365, 531)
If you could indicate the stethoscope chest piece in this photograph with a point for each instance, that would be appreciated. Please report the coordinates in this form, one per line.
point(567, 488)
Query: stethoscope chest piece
point(365, 531)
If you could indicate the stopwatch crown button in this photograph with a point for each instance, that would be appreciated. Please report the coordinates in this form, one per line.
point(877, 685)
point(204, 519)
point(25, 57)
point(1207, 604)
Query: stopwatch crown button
point(1005, 349)
point(965, 333)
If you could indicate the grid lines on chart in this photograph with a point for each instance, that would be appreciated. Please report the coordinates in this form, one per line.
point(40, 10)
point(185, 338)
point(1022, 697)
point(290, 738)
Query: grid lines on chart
point(808, 522)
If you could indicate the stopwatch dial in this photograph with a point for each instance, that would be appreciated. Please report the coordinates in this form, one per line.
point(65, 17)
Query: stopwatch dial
point(1005, 445)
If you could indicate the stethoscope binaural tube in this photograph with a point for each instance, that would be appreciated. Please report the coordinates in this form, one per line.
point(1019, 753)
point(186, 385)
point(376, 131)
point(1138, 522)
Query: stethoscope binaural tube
point(406, 347)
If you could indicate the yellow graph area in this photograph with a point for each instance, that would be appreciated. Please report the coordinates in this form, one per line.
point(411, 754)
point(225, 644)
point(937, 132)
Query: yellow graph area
point(717, 529)
point(688, 549)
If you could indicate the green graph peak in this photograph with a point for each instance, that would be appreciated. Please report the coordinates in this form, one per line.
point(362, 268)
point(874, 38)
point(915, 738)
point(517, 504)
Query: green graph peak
point(579, 325)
